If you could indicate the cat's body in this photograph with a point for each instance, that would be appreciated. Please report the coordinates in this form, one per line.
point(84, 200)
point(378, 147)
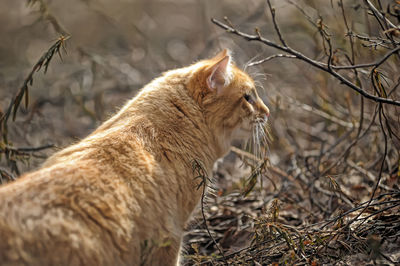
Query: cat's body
point(122, 195)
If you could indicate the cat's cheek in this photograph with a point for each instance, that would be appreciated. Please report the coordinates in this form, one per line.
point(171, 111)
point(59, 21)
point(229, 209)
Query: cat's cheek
point(242, 133)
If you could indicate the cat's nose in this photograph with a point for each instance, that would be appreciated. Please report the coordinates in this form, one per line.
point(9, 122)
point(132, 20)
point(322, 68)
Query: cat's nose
point(262, 108)
point(266, 111)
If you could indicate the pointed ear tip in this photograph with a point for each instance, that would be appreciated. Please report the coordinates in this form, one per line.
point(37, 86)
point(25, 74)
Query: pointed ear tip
point(222, 54)
point(222, 63)
point(226, 52)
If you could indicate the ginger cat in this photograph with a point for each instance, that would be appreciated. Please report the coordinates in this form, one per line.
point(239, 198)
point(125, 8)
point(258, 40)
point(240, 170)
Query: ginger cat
point(122, 195)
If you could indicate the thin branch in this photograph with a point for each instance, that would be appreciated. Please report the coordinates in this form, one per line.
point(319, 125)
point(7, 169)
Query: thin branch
point(351, 145)
point(269, 58)
point(28, 149)
point(323, 114)
point(272, 10)
point(4, 173)
point(305, 14)
point(348, 32)
point(380, 111)
point(302, 57)
point(377, 41)
point(379, 14)
point(365, 172)
point(47, 15)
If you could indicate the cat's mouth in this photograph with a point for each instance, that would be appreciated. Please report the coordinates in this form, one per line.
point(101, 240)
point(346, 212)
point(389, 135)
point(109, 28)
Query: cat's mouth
point(257, 123)
point(261, 120)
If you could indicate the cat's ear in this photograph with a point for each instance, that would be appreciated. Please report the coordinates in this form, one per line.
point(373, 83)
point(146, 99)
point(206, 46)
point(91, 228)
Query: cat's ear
point(220, 74)
point(222, 54)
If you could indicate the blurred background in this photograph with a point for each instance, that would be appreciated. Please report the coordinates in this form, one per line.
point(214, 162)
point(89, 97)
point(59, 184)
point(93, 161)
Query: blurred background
point(116, 47)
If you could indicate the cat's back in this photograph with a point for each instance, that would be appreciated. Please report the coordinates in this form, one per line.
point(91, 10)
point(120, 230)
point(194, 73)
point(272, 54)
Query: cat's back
point(87, 202)
point(66, 210)
point(84, 205)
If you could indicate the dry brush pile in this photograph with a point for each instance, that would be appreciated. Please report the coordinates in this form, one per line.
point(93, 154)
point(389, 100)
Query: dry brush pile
point(328, 190)
point(335, 199)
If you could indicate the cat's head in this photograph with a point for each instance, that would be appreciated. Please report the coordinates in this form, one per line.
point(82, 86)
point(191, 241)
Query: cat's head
point(230, 102)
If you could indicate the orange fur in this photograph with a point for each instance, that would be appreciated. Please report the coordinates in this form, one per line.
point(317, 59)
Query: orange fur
point(122, 195)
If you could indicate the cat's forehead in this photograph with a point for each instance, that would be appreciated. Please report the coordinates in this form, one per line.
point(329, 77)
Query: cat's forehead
point(243, 78)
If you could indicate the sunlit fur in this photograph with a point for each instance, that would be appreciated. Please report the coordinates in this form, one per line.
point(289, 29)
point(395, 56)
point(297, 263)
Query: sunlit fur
point(122, 195)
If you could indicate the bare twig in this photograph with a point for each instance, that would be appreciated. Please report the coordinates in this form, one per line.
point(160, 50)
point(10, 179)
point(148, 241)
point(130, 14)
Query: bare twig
point(321, 113)
point(302, 57)
point(25, 150)
point(4, 173)
point(269, 58)
point(47, 15)
point(379, 14)
point(278, 31)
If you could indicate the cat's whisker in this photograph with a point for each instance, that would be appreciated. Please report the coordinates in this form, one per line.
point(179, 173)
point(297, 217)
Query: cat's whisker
point(264, 144)
point(258, 74)
point(261, 140)
point(265, 138)
point(258, 84)
point(256, 138)
point(255, 143)
point(245, 144)
point(258, 141)
point(262, 77)
point(260, 87)
point(260, 137)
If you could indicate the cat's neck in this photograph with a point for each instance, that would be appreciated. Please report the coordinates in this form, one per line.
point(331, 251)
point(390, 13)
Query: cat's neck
point(167, 118)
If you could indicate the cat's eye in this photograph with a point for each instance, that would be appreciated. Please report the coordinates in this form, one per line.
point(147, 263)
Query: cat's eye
point(248, 98)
